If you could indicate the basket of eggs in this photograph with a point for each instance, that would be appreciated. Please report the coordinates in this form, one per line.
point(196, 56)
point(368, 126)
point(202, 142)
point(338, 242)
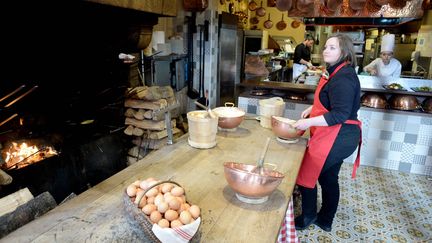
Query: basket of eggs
point(161, 210)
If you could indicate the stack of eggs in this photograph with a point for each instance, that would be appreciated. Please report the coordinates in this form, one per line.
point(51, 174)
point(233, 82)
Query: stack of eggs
point(163, 202)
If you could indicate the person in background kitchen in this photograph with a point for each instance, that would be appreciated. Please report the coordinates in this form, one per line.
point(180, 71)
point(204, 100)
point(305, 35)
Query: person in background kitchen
point(302, 57)
point(385, 65)
point(335, 133)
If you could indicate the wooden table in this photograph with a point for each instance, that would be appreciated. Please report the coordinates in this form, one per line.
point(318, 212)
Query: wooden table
point(97, 214)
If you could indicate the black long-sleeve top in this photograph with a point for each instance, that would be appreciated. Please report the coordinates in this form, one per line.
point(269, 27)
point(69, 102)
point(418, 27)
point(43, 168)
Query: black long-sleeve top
point(301, 52)
point(341, 95)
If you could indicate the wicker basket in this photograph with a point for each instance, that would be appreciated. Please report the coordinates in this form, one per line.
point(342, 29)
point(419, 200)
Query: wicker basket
point(139, 219)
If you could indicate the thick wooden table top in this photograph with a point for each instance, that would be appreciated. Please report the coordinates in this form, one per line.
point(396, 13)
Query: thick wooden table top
point(97, 214)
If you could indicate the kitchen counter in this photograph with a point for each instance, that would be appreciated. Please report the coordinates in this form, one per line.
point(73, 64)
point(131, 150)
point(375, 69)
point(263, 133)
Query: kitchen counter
point(97, 215)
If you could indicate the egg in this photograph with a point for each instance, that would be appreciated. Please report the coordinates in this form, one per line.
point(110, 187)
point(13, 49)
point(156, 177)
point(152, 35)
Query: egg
point(163, 207)
point(143, 185)
point(171, 215)
point(152, 192)
point(177, 191)
point(185, 217)
point(131, 190)
point(184, 207)
point(149, 208)
point(150, 200)
point(163, 223)
point(168, 196)
point(140, 198)
point(195, 211)
point(155, 216)
point(167, 187)
point(159, 199)
point(174, 204)
point(136, 183)
point(176, 223)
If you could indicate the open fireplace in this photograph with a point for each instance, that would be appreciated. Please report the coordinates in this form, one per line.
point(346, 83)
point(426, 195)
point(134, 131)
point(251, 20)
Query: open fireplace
point(62, 91)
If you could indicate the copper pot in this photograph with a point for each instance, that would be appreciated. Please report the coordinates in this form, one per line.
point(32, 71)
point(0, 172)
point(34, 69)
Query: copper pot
point(427, 105)
point(229, 116)
point(260, 11)
point(248, 181)
point(404, 102)
point(374, 100)
point(282, 127)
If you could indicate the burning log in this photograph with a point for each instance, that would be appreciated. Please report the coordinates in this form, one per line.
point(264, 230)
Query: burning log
point(5, 179)
point(26, 213)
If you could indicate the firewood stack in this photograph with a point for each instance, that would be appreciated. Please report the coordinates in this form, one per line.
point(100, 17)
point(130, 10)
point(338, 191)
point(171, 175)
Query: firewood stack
point(145, 118)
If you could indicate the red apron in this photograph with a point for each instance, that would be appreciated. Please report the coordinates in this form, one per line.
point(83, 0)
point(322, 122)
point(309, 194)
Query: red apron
point(321, 141)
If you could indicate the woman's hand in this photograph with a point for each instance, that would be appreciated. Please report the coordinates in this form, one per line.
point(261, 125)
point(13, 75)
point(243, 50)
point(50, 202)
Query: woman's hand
point(306, 112)
point(302, 124)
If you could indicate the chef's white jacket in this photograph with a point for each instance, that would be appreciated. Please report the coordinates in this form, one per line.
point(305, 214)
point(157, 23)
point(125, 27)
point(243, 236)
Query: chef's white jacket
point(393, 69)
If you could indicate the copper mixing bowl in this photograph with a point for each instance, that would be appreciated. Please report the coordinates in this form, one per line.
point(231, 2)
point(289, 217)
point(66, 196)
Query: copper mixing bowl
point(229, 117)
point(404, 102)
point(248, 181)
point(374, 100)
point(282, 127)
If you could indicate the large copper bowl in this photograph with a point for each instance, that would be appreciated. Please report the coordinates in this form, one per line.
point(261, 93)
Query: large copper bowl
point(427, 105)
point(248, 181)
point(229, 117)
point(404, 102)
point(374, 100)
point(282, 127)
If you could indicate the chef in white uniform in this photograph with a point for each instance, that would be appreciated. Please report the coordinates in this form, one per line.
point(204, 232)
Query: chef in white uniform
point(385, 65)
point(302, 57)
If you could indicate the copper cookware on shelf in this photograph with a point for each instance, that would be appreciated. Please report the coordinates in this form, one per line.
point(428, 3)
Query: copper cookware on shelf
point(427, 105)
point(404, 102)
point(374, 100)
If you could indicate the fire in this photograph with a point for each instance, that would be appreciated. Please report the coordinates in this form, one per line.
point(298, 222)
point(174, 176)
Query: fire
point(23, 155)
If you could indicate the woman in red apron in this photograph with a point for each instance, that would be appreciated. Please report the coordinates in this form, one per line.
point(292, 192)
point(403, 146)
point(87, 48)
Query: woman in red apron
point(335, 133)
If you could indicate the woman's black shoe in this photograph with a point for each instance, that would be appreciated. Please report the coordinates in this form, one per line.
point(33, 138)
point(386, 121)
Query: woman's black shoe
point(323, 226)
point(302, 223)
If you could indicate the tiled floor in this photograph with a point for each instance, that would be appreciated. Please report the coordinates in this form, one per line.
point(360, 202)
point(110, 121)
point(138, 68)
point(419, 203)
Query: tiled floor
point(378, 206)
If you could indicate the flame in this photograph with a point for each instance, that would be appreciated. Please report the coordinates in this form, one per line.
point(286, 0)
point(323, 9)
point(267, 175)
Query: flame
point(26, 154)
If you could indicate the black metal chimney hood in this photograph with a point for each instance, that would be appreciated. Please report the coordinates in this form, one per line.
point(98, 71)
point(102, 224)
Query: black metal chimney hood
point(367, 21)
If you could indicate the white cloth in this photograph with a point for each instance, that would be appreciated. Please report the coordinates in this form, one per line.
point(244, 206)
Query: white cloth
point(181, 234)
point(393, 69)
point(388, 43)
point(298, 69)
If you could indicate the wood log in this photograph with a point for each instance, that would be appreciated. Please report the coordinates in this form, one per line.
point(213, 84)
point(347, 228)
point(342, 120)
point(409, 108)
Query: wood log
point(137, 131)
point(148, 124)
point(129, 130)
point(151, 93)
point(5, 179)
point(138, 152)
point(162, 134)
point(130, 112)
point(148, 105)
point(10, 202)
point(139, 115)
point(26, 213)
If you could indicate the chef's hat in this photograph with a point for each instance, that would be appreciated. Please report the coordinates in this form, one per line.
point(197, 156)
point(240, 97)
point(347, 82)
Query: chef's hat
point(388, 42)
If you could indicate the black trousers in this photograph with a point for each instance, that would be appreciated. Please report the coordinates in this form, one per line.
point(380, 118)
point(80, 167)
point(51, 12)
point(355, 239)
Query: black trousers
point(345, 144)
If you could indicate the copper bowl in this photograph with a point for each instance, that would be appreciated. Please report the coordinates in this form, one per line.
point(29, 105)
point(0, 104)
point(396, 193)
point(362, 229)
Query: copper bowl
point(427, 105)
point(374, 100)
point(282, 127)
point(229, 117)
point(404, 102)
point(248, 181)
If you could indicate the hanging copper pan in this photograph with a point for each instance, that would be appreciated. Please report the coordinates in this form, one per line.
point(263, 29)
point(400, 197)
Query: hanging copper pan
point(254, 20)
point(281, 25)
point(295, 24)
point(261, 11)
point(268, 23)
point(252, 6)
